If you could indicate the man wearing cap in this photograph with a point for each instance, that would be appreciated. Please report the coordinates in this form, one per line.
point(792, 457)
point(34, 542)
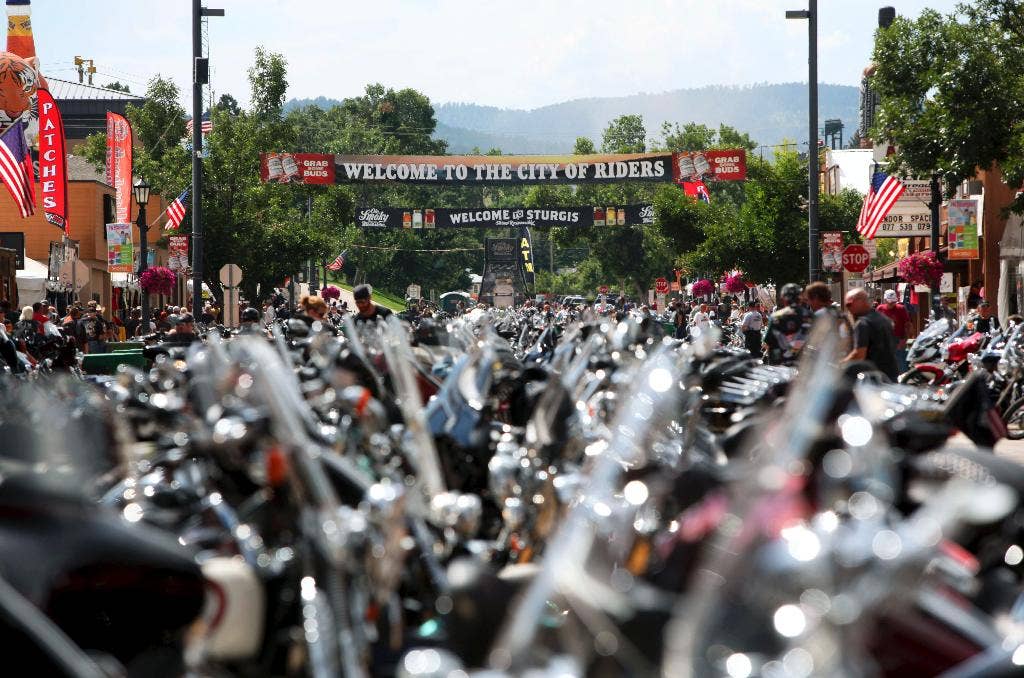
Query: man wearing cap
point(900, 317)
point(183, 330)
point(368, 311)
point(985, 322)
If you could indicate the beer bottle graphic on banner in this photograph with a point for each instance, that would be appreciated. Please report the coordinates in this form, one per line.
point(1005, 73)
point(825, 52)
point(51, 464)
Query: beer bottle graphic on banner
point(598, 216)
point(609, 215)
point(406, 219)
point(417, 218)
point(701, 166)
point(275, 170)
point(685, 164)
point(428, 218)
point(621, 214)
point(290, 167)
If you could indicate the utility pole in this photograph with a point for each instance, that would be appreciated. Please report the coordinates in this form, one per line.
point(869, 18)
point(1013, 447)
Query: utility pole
point(200, 77)
point(811, 14)
point(936, 200)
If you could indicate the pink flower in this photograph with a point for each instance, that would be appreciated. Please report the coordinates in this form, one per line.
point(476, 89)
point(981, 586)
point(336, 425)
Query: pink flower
point(702, 288)
point(920, 268)
point(734, 283)
point(158, 280)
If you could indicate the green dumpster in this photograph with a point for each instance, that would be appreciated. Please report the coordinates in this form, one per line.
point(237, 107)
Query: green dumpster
point(107, 363)
point(119, 346)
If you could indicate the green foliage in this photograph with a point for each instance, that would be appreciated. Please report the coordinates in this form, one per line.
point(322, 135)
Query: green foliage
point(952, 90)
point(625, 134)
point(267, 80)
point(117, 86)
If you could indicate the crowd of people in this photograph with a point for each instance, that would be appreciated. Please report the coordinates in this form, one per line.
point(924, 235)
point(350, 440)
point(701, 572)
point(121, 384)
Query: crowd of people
point(871, 329)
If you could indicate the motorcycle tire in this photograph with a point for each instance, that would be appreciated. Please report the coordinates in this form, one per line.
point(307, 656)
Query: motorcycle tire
point(916, 377)
point(1013, 417)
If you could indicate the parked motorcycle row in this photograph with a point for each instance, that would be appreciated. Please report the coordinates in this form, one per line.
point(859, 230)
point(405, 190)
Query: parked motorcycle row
point(505, 494)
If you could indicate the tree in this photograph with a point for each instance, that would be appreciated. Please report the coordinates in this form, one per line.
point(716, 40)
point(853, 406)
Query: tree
point(158, 127)
point(950, 91)
point(625, 134)
point(228, 104)
point(766, 236)
point(117, 86)
point(268, 82)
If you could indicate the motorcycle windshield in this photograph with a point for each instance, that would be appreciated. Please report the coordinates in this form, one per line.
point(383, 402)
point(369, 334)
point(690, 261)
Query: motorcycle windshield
point(933, 331)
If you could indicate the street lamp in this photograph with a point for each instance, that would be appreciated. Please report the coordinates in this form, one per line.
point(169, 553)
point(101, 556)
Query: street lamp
point(141, 190)
point(811, 14)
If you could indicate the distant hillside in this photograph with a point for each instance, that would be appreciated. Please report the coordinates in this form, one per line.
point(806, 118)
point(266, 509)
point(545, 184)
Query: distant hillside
point(768, 113)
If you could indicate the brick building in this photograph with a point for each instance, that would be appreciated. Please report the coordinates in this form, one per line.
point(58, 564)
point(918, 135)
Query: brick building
point(90, 198)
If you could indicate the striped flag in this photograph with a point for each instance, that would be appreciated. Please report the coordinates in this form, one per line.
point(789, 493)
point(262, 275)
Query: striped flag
point(205, 125)
point(338, 262)
point(883, 194)
point(176, 212)
point(16, 168)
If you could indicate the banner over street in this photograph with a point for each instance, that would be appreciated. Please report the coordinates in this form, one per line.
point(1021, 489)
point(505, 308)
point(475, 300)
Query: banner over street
point(314, 168)
point(503, 217)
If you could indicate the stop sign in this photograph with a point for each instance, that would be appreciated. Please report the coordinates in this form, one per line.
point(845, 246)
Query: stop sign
point(661, 286)
point(856, 258)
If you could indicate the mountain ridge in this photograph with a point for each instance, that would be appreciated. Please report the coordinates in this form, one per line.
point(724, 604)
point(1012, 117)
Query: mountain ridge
point(769, 113)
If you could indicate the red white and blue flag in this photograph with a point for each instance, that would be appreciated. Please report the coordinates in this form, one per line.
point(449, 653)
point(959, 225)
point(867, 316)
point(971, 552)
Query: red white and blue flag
point(16, 168)
point(883, 194)
point(338, 263)
point(176, 212)
point(205, 125)
point(697, 189)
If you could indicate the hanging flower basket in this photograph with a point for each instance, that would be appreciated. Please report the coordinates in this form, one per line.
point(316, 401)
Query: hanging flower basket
point(921, 268)
point(702, 288)
point(158, 280)
point(734, 283)
point(330, 292)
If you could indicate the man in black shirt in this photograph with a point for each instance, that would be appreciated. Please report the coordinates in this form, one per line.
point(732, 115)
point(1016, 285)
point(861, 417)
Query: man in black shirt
point(873, 337)
point(368, 311)
point(985, 322)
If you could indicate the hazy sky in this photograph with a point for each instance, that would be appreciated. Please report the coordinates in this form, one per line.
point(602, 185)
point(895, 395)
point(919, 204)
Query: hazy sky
point(522, 54)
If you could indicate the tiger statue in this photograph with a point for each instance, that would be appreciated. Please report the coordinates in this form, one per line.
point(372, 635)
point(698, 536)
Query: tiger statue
point(19, 80)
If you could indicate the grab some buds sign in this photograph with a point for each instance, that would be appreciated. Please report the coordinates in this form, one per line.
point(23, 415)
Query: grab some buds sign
point(312, 168)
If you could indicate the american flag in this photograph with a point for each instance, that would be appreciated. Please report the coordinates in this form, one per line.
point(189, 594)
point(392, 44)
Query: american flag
point(176, 212)
point(883, 194)
point(16, 168)
point(338, 262)
point(205, 126)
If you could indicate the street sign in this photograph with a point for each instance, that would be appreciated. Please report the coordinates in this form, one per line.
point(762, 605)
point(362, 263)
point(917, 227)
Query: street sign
point(230, 275)
point(855, 258)
point(603, 289)
point(75, 273)
point(231, 303)
point(661, 286)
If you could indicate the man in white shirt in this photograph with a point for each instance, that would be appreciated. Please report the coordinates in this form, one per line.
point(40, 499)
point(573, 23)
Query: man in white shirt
point(701, 320)
point(751, 326)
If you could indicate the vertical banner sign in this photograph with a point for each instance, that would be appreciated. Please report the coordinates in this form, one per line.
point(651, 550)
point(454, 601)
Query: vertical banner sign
point(119, 164)
point(832, 251)
point(526, 255)
point(177, 252)
point(120, 248)
point(53, 176)
point(962, 231)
